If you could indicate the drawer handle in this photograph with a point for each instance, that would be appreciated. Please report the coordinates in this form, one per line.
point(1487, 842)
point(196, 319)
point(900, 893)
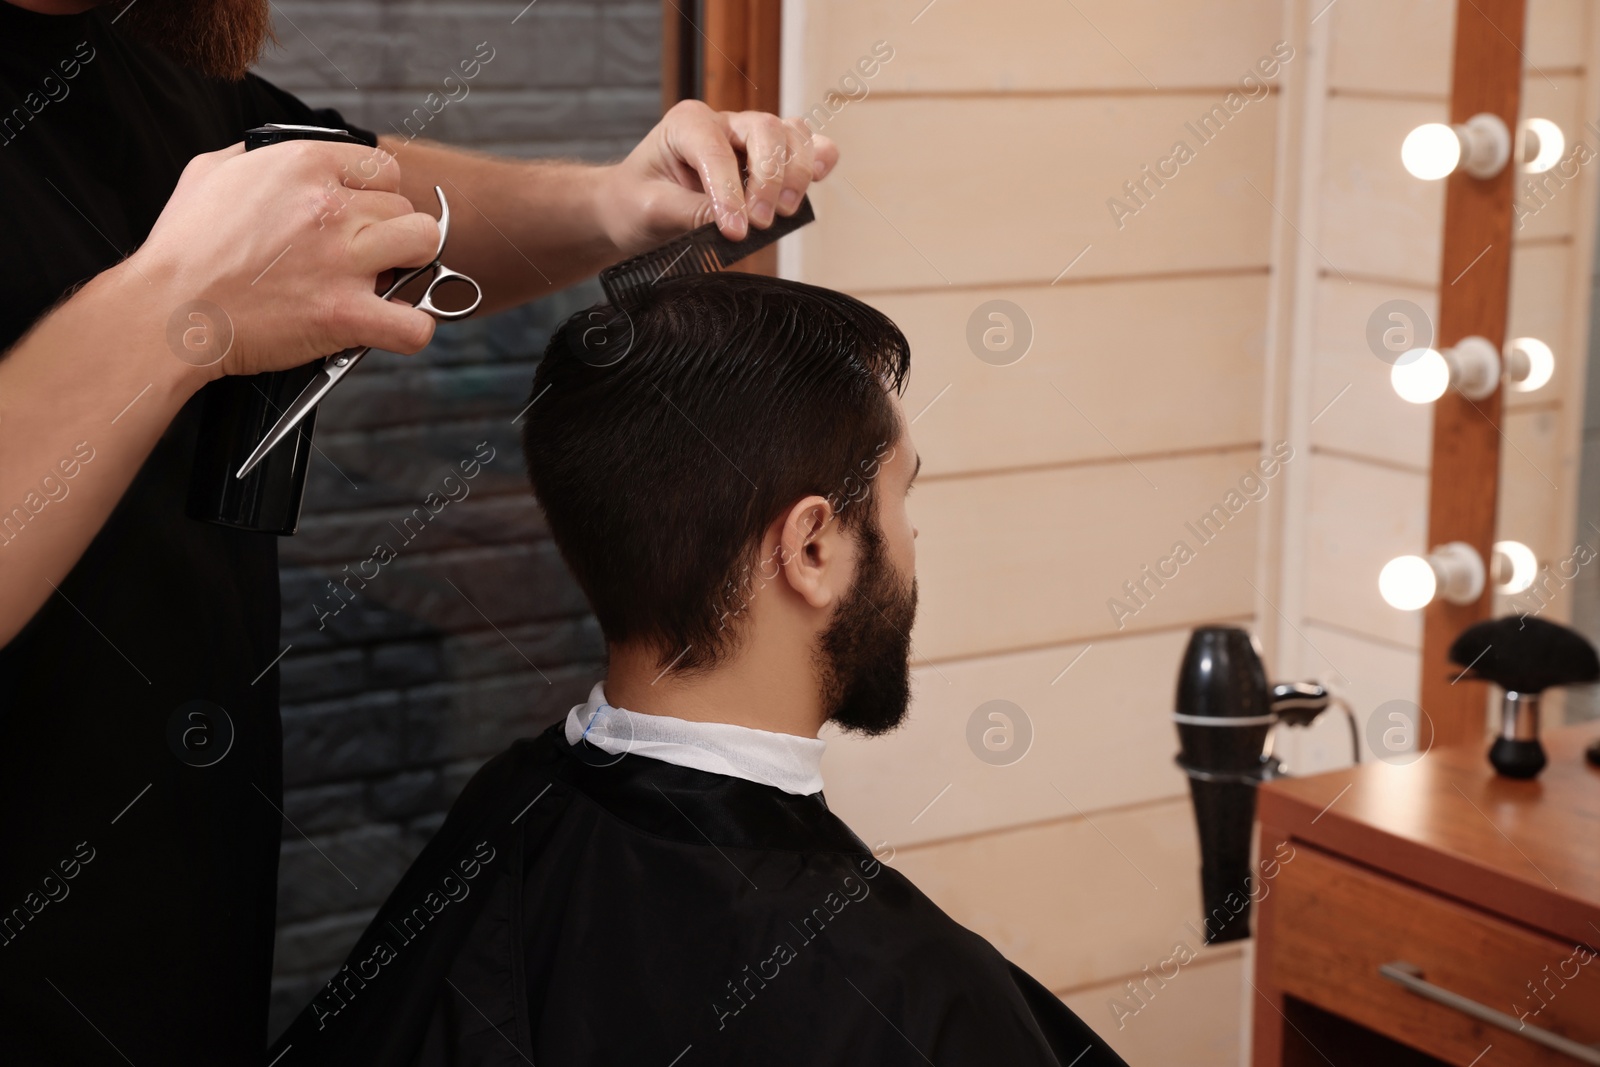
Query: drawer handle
point(1409, 975)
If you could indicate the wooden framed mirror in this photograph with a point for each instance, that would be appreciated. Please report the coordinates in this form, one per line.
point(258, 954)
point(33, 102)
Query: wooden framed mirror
point(1548, 477)
point(1511, 473)
point(1474, 296)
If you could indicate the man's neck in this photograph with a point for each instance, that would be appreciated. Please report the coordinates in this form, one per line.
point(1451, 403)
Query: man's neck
point(763, 692)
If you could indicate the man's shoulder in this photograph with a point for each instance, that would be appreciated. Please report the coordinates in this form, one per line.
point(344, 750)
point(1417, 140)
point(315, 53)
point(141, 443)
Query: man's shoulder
point(924, 942)
point(958, 995)
point(499, 780)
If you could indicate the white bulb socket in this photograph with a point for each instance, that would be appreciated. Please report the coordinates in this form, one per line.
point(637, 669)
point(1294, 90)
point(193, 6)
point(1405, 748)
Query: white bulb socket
point(1481, 146)
point(1543, 144)
point(1474, 367)
point(1422, 375)
point(1460, 570)
point(1453, 571)
point(1485, 145)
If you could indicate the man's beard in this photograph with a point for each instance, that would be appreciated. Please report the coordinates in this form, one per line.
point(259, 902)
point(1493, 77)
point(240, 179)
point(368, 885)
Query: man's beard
point(865, 653)
point(222, 38)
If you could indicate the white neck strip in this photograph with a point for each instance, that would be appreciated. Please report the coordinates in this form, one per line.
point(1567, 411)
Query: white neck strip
point(783, 761)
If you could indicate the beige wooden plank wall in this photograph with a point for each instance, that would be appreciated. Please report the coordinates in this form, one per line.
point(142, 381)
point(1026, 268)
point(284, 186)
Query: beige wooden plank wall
point(1170, 348)
point(978, 163)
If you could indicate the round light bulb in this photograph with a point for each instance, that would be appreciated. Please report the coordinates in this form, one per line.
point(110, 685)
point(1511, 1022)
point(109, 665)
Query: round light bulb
point(1420, 376)
point(1550, 143)
point(1541, 363)
point(1523, 564)
point(1431, 151)
point(1407, 582)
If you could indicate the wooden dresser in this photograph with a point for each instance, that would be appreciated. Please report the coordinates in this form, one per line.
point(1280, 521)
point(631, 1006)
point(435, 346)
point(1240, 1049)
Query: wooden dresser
point(1430, 913)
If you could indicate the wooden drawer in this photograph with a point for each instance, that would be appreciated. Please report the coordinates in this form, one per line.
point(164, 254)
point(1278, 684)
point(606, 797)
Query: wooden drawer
point(1333, 924)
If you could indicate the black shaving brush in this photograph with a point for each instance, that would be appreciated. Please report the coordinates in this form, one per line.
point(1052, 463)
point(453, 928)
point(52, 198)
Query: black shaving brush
point(1524, 656)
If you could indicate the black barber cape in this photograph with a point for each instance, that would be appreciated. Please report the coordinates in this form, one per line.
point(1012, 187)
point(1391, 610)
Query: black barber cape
point(584, 908)
point(140, 747)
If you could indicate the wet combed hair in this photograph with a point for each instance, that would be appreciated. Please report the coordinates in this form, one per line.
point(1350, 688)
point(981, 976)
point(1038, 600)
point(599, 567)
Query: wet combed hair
point(665, 438)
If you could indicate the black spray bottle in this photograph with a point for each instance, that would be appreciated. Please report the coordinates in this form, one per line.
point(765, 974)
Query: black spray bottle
point(239, 410)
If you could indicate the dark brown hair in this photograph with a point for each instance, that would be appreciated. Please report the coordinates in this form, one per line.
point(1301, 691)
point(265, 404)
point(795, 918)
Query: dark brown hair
point(664, 438)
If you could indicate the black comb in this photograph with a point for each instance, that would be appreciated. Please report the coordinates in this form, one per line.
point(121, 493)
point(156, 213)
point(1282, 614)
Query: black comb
point(700, 251)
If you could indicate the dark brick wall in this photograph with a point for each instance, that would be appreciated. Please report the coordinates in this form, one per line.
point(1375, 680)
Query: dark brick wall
point(473, 634)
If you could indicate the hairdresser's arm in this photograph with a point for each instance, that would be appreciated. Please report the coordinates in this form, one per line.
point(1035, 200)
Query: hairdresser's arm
point(527, 228)
point(85, 395)
point(62, 390)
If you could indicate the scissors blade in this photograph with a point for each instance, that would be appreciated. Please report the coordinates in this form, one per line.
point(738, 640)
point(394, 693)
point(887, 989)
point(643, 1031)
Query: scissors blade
point(338, 365)
point(327, 376)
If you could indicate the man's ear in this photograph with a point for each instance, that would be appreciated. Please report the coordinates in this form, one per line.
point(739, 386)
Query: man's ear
point(811, 553)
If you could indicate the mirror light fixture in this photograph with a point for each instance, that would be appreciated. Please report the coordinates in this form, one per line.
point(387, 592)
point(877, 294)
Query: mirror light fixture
point(1481, 146)
point(1474, 367)
point(1422, 375)
point(1529, 363)
point(1515, 567)
point(1454, 571)
point(1543, 144)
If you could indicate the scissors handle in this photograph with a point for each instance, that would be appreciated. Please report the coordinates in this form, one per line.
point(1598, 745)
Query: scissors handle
point(443, 274)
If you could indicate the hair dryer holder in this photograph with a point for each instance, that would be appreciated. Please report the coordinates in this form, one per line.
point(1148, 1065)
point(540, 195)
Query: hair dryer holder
point(1227, 735)
point(1296, 704)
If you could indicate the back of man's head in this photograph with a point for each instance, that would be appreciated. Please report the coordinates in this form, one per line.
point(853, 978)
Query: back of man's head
point(663, 438)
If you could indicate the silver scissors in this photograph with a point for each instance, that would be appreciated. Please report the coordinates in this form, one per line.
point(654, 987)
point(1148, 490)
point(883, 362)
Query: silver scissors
point(336, 366)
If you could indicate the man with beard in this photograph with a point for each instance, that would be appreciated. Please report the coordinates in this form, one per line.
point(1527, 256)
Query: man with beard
point(140, 747)
point(658, 880)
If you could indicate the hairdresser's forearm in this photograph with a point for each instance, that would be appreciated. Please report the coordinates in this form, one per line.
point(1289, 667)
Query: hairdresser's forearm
point(520, 228)
point(93, 379)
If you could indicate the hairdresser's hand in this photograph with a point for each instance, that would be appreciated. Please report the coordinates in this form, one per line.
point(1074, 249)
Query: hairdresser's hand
point(268, 259)
point(685, 173)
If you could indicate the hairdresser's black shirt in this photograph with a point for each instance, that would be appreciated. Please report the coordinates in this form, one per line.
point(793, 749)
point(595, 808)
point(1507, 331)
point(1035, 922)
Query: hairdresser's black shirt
point(136, 889)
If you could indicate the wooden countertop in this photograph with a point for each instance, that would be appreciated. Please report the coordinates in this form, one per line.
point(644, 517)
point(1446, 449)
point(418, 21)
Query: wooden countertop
point(1529, 851)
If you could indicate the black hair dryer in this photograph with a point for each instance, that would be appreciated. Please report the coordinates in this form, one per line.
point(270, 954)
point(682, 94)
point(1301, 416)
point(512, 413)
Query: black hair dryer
point(239, 410)
point(1226, 711)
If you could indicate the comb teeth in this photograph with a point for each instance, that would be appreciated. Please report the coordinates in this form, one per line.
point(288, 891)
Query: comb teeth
point(700, 251)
